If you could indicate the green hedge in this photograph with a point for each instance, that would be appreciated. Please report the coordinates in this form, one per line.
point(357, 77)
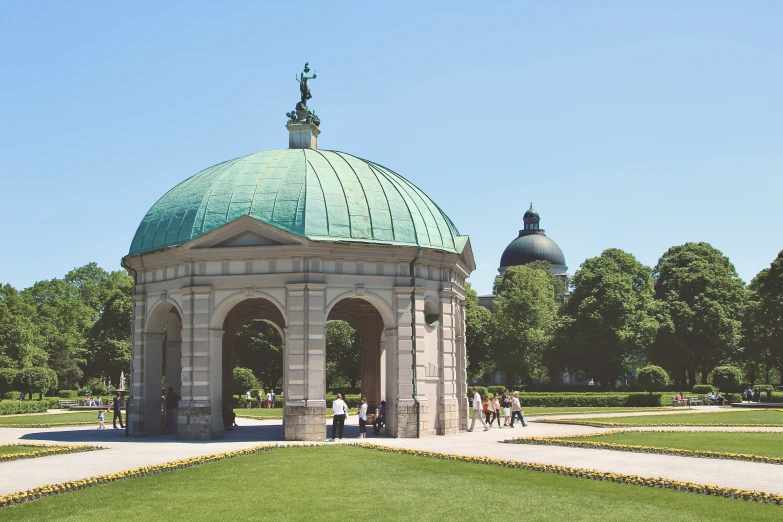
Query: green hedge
point(13, 407)
point(68, 394)
point(703, 389)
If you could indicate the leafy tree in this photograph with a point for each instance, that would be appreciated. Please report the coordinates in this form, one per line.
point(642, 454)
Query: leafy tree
point(478, 334)
point(258, 346)
point(108, 347)
point(20, 341)
point(609, 320)
point(243, 380)
point(342, 354)
point(558, 285)
point(704, 299)
point(768, 318)
point(652, 378)
point(726, 378)
point(7, 376)
point(525, 312)
point(35, 380)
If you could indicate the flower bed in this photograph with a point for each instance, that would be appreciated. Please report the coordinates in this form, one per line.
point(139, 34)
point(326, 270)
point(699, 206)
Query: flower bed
point(574, 442)
point(636, 480)
point(46, 425)
point(45, 450)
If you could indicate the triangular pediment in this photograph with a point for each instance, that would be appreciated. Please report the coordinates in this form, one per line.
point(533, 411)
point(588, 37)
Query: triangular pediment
point(245, 232)
point(247, 238)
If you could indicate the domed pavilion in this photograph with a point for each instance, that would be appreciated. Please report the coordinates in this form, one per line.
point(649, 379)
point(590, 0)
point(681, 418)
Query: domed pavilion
point(296, 238)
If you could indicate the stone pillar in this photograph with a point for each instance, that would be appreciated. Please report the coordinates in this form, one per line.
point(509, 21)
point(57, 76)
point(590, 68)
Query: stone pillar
point(304, 412)
point(174, 365)
point(404, 408)
point(153, 374)
point(448, 407)
point(200, 416)
point(462, 367)
point(370, 332)
point(135, 404)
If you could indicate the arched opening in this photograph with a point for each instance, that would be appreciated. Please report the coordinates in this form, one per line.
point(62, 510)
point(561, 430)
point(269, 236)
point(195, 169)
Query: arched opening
point(162, 367)
point(366, 320)
point(254, 340)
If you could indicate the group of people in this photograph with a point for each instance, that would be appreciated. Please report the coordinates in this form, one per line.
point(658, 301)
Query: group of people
point(340, 413)
point(92, 401)
point(268, 399)
point(491, 408)
point(754, 394)
point(116, 408)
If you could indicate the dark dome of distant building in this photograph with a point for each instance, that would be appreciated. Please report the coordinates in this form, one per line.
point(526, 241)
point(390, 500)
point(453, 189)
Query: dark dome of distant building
point(533, 245)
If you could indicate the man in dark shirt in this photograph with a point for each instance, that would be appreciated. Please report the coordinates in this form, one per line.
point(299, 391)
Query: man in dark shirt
point(115, 408)
point(172, 410)
point(506, 404)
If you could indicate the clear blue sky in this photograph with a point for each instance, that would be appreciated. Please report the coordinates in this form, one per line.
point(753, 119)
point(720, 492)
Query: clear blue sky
point(636, 125)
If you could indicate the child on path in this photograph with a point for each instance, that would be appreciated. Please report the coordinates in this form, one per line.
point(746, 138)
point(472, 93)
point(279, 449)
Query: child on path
point(101, 426)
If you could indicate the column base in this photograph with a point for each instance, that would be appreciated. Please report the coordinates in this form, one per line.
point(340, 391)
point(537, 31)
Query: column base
point(464, 413)
point(304, 422)
point(195, 421)
point(448, 417)
point(134, 416)
point(405, 415)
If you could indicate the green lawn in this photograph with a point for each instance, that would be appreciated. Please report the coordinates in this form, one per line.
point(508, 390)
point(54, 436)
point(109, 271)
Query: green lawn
point(532, 411)
point(697, 419)
point(7, 450)
point(345, 483)
point(56, 418)
point(764, 444)
point(277, 413)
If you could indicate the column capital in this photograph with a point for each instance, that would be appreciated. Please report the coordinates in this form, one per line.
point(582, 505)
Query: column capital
point(214, 332)
point(196, 290)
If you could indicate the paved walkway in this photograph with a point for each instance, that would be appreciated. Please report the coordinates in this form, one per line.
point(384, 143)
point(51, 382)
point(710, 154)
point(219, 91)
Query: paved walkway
point(125, 453)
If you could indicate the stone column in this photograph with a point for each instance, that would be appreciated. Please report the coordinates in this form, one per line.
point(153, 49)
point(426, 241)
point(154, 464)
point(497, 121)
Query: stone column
point(304, 411)
point(199, 416)
point(462, 367)
point(153, 373)
point(370, 333)
point(135, 404)
point(448, 407)
point(404, 410)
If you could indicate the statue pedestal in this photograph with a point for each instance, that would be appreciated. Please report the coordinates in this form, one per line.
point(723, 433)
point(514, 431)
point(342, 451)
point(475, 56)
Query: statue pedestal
point(303, 135)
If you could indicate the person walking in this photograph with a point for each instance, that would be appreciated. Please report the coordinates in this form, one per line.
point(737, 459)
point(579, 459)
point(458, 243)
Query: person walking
point(115, 408)
point(477, 411)
point(269, 400)
point(496, 407)
point(101, 425)
point(506, 402)
point(380, 419)
point(260, 399)
point(172, 410)
point(363, 419)
point(516, 410)
point(248, 399)
point(340, 412)
point(488, 409)
point(273, 398)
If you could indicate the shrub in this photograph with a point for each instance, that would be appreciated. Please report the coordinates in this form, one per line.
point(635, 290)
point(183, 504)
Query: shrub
point(652, 378)
point(726, 377)
point(482, 390)
point(6, 379)
point(14, 407)
point(496, 389)
point(35, 380)
point(244, 380)
point(596, 400)
point(703, 389)
point(68, 394)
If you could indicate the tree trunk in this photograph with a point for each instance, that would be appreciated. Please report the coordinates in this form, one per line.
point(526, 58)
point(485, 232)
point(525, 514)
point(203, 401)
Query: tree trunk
point(691, 377)
point(704, 374)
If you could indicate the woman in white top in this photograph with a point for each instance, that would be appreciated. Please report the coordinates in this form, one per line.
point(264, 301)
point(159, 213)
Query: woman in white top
point(363, 419)
point(340, 410)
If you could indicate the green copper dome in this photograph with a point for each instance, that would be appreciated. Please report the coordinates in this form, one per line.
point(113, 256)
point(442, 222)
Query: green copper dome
point(320, 195)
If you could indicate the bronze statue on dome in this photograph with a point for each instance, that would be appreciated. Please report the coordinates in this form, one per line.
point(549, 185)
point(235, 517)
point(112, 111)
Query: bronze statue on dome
point(304, 89)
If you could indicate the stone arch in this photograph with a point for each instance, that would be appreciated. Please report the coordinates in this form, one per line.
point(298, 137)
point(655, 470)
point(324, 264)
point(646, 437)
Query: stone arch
point(161, 356)
point(244, 311)
point(225, 306)
point(368, 321)
point(383, 308)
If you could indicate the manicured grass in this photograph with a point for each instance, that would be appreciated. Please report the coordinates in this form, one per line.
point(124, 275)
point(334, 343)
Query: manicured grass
point(277, 413)
point(531, 411)
point(345, 483)
point(56, 418)
point(764, 444)
point(742, 418)
point(8, 450)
